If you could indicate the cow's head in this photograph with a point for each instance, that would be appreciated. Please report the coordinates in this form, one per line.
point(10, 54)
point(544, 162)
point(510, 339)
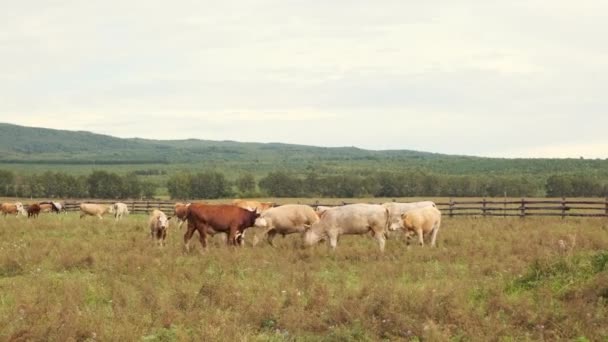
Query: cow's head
point(406, 221)
point(395, 222)
point(20, 209)
point(312, 235)
point(162, 222)
point(261, 222)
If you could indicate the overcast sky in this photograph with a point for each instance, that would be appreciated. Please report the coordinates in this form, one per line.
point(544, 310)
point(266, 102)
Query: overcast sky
point(521, 78)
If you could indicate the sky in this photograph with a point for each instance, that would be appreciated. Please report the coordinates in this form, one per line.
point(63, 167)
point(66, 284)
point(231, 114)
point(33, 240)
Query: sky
point(520, 78)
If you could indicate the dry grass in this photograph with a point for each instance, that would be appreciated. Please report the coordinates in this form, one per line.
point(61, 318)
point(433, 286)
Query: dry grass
point(62, 278)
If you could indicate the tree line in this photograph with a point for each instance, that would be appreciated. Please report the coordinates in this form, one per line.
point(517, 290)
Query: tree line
point(213, 184)
point(383, 184)
point(98, 184)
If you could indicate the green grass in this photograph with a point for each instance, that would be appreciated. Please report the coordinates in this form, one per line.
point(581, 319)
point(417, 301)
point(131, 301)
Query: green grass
point(62, 278)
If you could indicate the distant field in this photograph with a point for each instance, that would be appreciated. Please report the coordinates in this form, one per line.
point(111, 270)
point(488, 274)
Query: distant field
point(62, 278)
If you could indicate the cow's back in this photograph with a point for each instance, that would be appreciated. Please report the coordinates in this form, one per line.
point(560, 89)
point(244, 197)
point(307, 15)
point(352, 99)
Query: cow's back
point(425, 218)
point(219, 216)
point(356, 218)
point(290, 215)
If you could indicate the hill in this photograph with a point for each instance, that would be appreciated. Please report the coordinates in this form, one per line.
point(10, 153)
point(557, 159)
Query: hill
point(42, 146)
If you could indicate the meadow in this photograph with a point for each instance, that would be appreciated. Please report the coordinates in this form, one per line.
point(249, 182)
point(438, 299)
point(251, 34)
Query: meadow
point(490, 279)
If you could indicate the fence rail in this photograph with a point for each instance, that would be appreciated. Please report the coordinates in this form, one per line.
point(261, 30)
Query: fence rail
point(505, 208)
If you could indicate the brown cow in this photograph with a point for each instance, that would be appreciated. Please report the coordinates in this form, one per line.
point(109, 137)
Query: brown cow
point(33, 210)
point(13, 209)
point(220, 218)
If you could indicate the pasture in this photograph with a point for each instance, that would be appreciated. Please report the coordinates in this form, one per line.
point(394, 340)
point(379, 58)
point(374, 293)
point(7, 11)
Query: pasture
point(508, 279)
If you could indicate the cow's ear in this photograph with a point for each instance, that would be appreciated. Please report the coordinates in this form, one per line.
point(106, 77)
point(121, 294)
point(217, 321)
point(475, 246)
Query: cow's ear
point(169, 218)
point(307, 227)
point(403, 216)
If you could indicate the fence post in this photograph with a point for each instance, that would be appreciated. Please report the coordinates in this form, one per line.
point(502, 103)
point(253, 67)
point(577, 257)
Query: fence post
point(563, 207)
point(483, 208)
point(504, 208)
point(606, 210)
point(147, 206)
point(523, 208)
point(133, 206)
point(451, 207)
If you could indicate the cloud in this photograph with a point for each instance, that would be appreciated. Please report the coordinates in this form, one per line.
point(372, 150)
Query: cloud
point(513, 75)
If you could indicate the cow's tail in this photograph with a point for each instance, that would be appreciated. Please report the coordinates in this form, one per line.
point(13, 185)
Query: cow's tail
point(387, 224)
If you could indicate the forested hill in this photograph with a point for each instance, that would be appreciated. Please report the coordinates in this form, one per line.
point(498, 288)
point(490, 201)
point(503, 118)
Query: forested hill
point(19, 144)
point(29, 144)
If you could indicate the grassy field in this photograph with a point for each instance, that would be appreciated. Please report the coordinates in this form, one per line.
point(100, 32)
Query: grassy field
point(62, 279)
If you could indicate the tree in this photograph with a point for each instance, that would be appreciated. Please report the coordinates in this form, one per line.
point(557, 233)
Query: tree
point(179, 186)
point(102, 184)
point(282, 184)
point(7, 183)
point(245, 184)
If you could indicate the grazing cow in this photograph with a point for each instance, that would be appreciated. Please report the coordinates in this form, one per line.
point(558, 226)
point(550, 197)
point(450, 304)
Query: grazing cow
point(395, 210)
point(13, 209)
point(181, 212)
point(219, 218)
point(422, 221)
point(321, 209)
point(58, 207)
point(158, 224)
point(92, 209)
point(256, 206)
point(349, 219)
point(119, 210)
point(33, 210)
point(286, 219)
point(47, 207)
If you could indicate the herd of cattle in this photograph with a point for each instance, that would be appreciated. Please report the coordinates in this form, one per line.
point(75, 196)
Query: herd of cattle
point(313, 224)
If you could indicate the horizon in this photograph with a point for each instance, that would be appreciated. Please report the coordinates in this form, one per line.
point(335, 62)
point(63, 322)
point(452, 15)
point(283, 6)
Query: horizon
point(279, 142)
point(491, 79)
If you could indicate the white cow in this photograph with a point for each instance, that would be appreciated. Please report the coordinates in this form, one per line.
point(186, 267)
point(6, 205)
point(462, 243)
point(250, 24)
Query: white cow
point(286, 219)
point(119, 210)
point(396, 209)
point(158, 224)
point(350, 219)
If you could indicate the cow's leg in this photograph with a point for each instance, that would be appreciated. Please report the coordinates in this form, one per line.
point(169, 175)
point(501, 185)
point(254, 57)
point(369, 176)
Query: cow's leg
point(333, 241)
point(420, 237)
point(188, 236)
point(270, 235)
point(381, 240)
point(202, 235)
point(232, 236)
point(82, 214)
point(434, 237)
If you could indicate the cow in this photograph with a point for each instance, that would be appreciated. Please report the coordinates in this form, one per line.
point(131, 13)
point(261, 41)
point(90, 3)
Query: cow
point(180, 211)
point(395, 210)
point(158, 223)
point(33, 210)
point(422, 221)
point(321, 209)
point(356, 219)
point(286, 219)
point(47, 207)
point(256, 206)
point(59, 207)
point(119, 210)
point(13, 209)
point(92, 209)
point(218, 218)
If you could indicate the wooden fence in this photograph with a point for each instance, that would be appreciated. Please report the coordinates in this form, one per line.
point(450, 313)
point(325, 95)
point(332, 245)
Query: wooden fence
point(505, 208)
